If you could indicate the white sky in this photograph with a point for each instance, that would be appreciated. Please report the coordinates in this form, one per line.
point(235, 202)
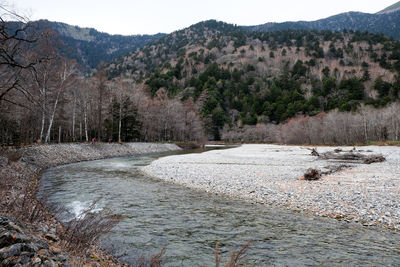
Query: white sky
point(153, 16)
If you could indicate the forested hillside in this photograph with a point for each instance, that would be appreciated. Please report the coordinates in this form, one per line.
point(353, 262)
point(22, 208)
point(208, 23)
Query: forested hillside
point(386, 22)
point(89, 47)
point(239, 78)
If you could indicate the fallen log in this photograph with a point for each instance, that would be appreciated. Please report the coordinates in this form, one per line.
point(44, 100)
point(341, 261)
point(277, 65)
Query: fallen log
point(333, 168)
point(316, 174)
point(374, 159)
point(352, 156)
point(343, 156)
point(312, 174)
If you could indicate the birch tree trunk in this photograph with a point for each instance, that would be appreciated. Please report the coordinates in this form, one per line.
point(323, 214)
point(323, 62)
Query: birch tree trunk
point(59, 134)
point(66, 72)
point(119, 123)
point(101, 79)
point(80, 130)
point(86, 124)
point(51, 119)
point(365, 127)
point(73, 118)
point(43, 122)
point(43, 92)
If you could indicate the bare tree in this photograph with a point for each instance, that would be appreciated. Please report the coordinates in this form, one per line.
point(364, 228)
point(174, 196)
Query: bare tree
point(101, 79)
point(85, 98)
point(38, 80)
point(46, 83)
point(14, 40)
point(66, 72)
point(120, 93)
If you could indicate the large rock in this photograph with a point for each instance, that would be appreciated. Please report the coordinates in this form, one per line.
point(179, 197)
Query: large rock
point(18, 248)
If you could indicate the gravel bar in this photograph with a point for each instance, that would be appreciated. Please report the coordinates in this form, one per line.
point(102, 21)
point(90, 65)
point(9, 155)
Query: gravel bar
point(270, 174)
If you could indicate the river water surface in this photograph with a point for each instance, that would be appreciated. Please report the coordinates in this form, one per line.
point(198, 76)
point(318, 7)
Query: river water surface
point(189, 223)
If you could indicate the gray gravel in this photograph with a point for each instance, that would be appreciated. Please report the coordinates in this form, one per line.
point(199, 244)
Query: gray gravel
point(270, 174)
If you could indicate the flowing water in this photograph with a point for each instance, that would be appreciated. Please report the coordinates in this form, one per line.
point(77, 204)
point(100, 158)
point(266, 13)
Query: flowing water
point(189, 223)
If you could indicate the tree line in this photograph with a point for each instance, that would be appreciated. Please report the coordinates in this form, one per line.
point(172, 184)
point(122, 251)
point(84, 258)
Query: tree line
point(366, 125)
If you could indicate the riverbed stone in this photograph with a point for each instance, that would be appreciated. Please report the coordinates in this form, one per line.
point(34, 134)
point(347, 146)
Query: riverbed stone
point(49, 263)
point(10, 251)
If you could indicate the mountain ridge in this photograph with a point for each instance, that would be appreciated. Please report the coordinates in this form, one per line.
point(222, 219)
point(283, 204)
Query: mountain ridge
point(89, 46)
point(385, 23)
point(393, 8)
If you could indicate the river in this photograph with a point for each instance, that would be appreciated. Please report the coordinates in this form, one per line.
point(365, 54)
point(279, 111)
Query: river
point(189, 223)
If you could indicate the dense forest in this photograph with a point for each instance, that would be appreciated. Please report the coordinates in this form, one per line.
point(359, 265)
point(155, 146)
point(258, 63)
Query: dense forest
point(211, 81)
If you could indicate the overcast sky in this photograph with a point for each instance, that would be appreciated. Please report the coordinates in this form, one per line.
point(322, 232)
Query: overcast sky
point(153, 16)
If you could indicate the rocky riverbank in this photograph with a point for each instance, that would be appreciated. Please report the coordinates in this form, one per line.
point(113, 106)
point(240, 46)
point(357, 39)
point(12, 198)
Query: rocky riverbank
point(365, 193)
point(46, 156)
point(19, 248)
point(28, 232)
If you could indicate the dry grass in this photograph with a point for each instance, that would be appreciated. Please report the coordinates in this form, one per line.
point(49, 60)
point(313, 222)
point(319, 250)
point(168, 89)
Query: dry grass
point(236, 257)
point(18, 200)
point(154, 260)
point(84, 231)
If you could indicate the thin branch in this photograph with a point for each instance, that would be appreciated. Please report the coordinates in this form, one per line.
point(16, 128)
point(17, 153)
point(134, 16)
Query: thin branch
point(17, 104)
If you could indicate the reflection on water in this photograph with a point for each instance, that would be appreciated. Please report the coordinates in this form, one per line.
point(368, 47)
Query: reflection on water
point(189, 223)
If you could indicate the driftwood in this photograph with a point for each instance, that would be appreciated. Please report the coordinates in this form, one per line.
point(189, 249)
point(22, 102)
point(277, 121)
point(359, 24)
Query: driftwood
point(342, 156)
point(351, 156)
point(333, 168)
point(314, 152)
point(316, 174)
point(374, 158)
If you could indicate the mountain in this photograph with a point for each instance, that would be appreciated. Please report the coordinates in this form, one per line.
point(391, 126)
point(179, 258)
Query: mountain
point(89, 46)
point(239, 77)
point(385, 22)
point(393, 8)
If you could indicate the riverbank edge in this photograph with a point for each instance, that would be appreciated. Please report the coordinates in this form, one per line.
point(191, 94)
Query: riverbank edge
point(22, 170)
